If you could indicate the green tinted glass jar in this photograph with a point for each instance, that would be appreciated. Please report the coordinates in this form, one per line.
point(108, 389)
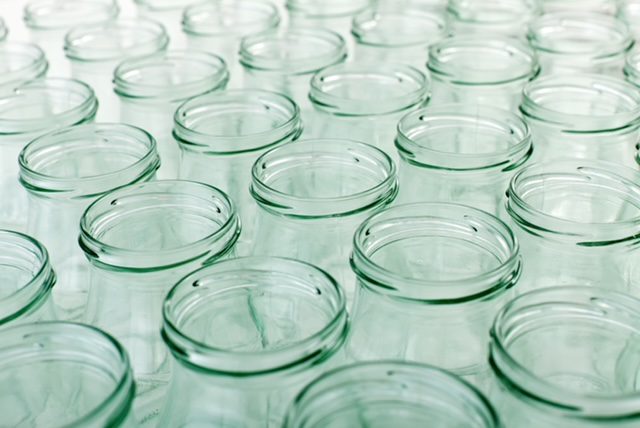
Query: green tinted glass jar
point(20, 62)
point(505, 17)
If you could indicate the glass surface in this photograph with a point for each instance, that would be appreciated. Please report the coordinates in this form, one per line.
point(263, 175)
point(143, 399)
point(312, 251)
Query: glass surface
point(506, 17)
point(20, 62)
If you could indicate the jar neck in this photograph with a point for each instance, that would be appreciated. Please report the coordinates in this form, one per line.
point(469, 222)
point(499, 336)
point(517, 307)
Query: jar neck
point(57, 15)
point(24, 62)
point(235, 19)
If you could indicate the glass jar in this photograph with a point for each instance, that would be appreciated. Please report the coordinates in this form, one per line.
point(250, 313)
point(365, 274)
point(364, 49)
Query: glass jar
point(431, 278)
point(583, 116)
point(20, 62)
point(63, 375)
point(152, 88)
point(505, 17)
point(246, 335)
point(397, 35)
point(387, 394)
point(30, 110)
point(364, 101)
point(63, 172)
point(26, 279)
point(96, 50)
point(461, 153)
point(578, 222)
point(313, 195)
point(479, 69)
point(567, 357)
point(140, 240)
point(569, 42)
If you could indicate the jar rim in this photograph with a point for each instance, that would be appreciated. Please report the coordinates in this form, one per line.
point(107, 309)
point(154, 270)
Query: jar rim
point(337, 8)
point(57, 14)
point(33, 62)
point(195, 22)
point(467, 11)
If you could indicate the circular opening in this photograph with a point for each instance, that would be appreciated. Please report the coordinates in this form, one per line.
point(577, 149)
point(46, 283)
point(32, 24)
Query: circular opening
point(255, 315)
point(20, 62)
point(326, 8)
point(230, 18)
point(493, 12)
point(388, 28)
point(317, 178)
point(172, 76)
point(62, 14)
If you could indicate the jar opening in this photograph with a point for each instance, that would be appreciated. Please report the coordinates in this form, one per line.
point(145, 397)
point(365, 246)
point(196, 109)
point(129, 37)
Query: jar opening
point(230, 18)
point(492, 12)
point(62, 14)
point(20, 62)
point(326, 8)
point(606, 7)
point(389, 28)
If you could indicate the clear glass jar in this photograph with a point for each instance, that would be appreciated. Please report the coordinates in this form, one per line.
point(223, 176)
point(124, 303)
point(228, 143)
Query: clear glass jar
point(606, 7)
point(431, 278)
point(30, 110)
point(505, 17)
point(63, 375)
point(365, 101)
point(313, 195)
point(461, 153)
point(569, 42)
point(387, 394)
point(567, 357)
point(391, 34)
point(20, 62)
point(140, 240)
point(578, 222)
point(152, 88)
point(490, 70)
point(26, 279)
point(63, 172)
point(246, 335)
point(583, 116)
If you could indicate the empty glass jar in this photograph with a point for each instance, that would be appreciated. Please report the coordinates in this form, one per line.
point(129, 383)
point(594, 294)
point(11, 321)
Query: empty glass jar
point(390, 393)
point(567, 357)
point(20, 62)
point(335, 15)
point(246, 335)
point(431, 278)
point(461, 153)
point(506, 17)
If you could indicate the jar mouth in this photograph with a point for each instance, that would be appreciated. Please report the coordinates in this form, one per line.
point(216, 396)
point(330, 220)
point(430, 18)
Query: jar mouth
point(482, 60)
point(158, 225)
point(400, 251)
point(62, 14)
point(27, 275)
point(496, 12)
point(78, 351)
point(323, 178)
point(459, 137)
point(379, 389)
point(20, 62)
point(595, 203)
point(296, 51)
point(88, 160)
point(366, 89)
point(236, 121)
point(230, 18)
point(569, 313)
point(170, 76)
point(392, 28)
point(115, 40)
point(327, 8)
point(294, 314)
point(44, 104)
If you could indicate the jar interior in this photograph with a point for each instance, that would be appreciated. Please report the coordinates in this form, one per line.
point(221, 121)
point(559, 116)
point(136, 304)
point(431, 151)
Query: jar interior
point(40, 100)
point(68, 13)
point(230, 18)
point(577, 35)
point(492, 11)
point(364, 85)
point(20, 58)
point(388, 28)
point(293, 50)
point(20, 263)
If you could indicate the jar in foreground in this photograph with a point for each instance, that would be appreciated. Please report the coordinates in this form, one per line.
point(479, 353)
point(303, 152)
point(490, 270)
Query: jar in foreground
point(246, 335)
point(578, 222)
point(583, 116)
point(63, 172)
point(150, 90)
point(505, 17)
point(567, 357)
point(20, 62)
point(335, 15)
point(140, 240)
point(313, 194)
point(390, 393)
point(32, 109)
point(461, 153)
point(482, 69)
point(59, 374)
point(430, 279)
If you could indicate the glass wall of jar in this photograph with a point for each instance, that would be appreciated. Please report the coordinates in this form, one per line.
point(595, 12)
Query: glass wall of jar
point(632, 67)
point(63, 172)
point(26, 280)
point(96, 50)
point(63, 375)
point(313, 195)
point(388, 394)
point(431, 278)
point(30, 110)
point(607, 7)
point(567, 357)
point(505, 17)
point(569, 42)
point(140, 240)
point(246, 335)
point(364, 101)
point(629, 12)
point(479, 69)
point(3, 30)
point(578, 223)
point(169, 14)
point(152, 88)
point(389, 34)
point(583, 116)
point(20, 62)
point(461, 153)
point(49, 20)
